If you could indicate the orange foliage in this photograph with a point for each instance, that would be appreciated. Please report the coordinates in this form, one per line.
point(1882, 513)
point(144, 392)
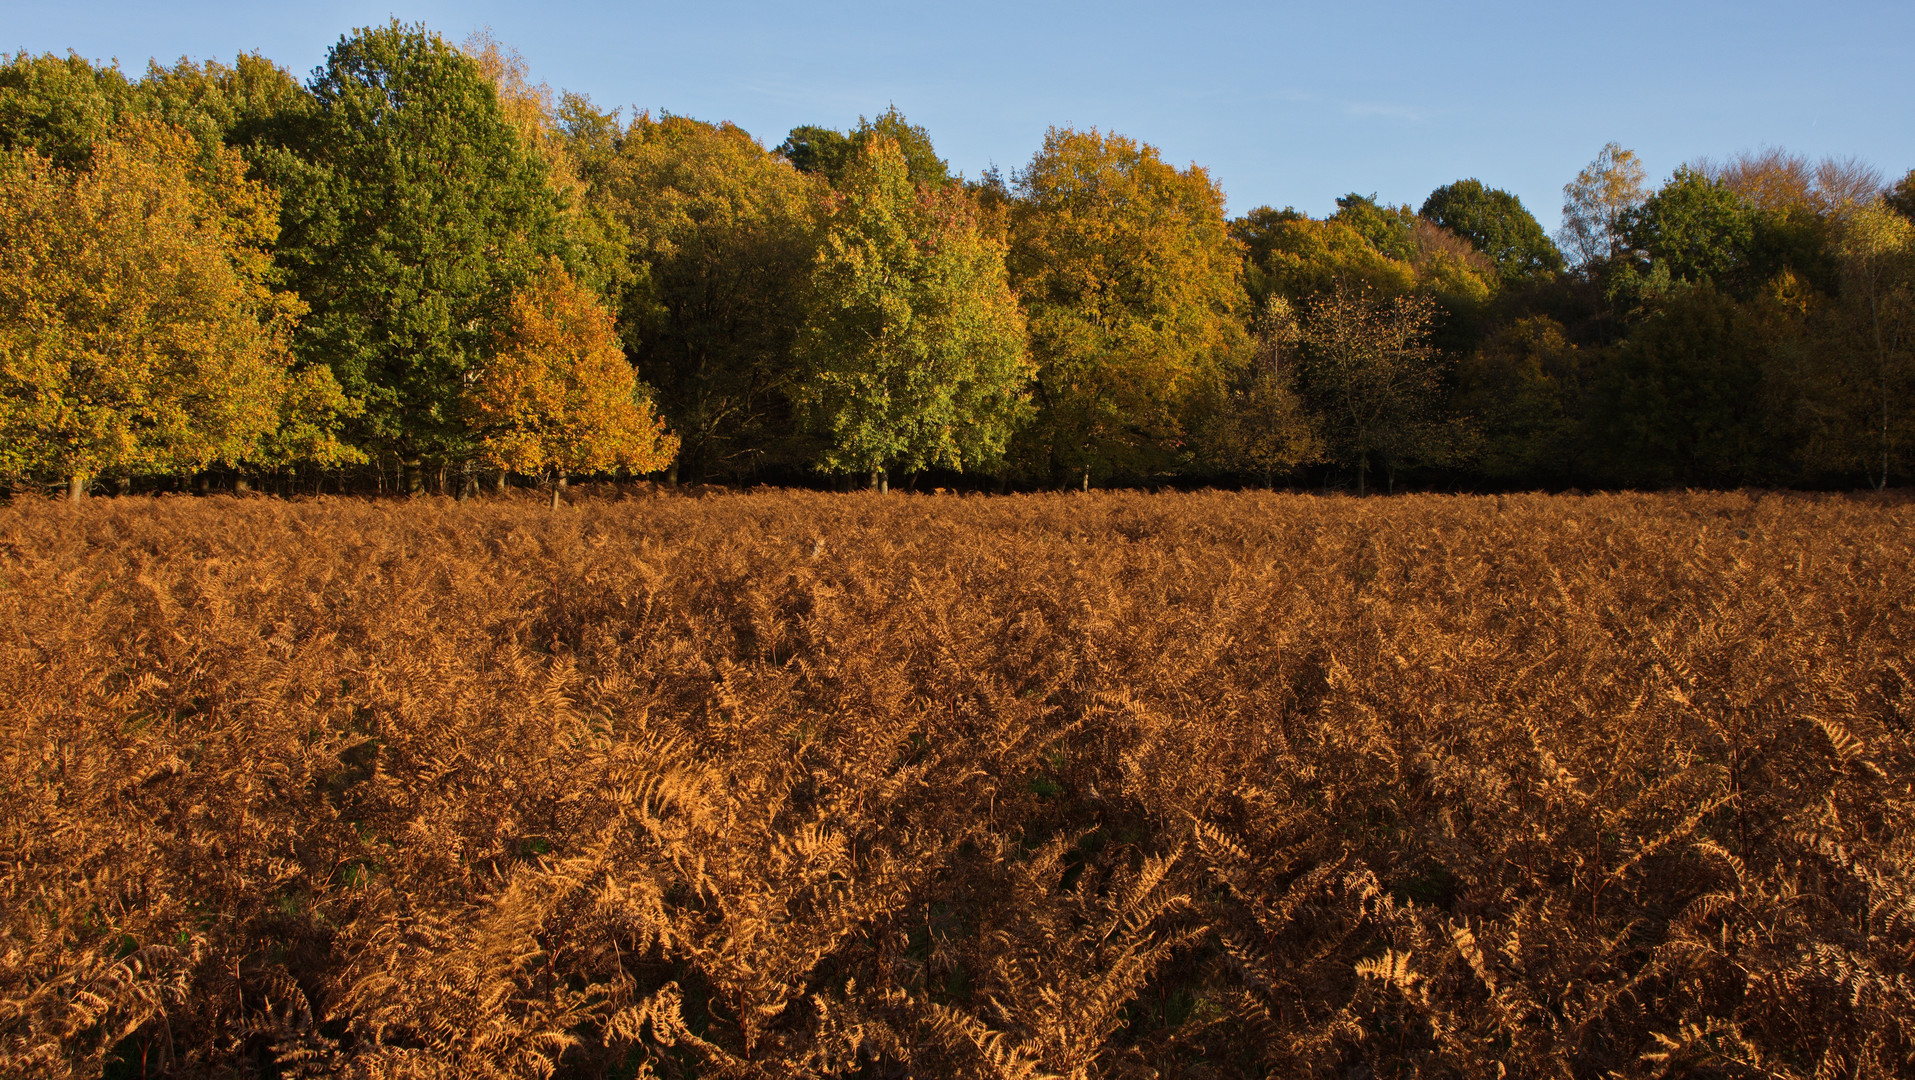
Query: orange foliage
point(795, 785)
point(559, 393)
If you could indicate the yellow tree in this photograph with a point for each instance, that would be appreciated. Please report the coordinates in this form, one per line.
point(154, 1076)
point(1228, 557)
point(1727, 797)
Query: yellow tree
point(1594, 204)
point(1296, 257)
point(557, 393)
point(1133, 288)
point(138, 331)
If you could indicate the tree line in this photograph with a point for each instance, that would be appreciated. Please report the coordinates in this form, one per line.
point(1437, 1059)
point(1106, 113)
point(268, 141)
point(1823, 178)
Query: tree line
point(420, 269)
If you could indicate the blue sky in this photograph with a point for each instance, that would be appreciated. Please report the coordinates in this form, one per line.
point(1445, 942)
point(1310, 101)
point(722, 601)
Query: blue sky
point(1285, 104)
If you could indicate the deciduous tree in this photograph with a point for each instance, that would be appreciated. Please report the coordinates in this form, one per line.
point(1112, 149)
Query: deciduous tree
point(413, 212)
point(913, 353)
point(1594, 204)
point(1133, 286)
point(60, 106)
point(556, 392)
point(830, 153)
point(139, 331)
point(1685, 399)
point(1862, 372)
point(539, 117)
point(1522, 391)
point(1495, 222)
point(1292, 255)
point(1373, 379)
point(1776, 180)
point(722, 240)
point(1387, 228)
point(1693, 229)
point(1901, 197)
point(1258, 424)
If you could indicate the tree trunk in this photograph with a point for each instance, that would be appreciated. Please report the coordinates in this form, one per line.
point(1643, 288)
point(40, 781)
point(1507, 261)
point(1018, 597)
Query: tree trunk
point(558, 485)
point(241, 485)
point(671, 474)
point(468, 482)
point(1086, 486)
point(415, 478)
point(880, 483)
point(76, 486)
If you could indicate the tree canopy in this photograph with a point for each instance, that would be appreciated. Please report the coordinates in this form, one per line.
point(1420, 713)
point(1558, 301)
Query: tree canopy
point(1693, 229)
point(424, 258)
point(413, 212)
point(830, 153)
point(1495, 222)
point(1371, 372)
point(139, 328)
point(1595, 203)
point(913, 352)
point(722, 238)
point(1133, 287)
point(556, 392)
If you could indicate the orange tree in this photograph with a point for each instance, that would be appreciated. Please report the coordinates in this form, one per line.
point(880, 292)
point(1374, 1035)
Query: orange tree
point(557, 393)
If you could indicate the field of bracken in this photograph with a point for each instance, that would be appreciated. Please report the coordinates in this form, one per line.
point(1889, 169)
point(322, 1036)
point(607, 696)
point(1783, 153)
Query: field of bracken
point(808, 785)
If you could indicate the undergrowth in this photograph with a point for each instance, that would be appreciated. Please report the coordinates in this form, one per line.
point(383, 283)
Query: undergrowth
point(809, 785)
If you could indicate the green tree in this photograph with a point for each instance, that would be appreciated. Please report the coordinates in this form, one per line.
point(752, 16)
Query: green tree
point(823, 151)
point(1133, 286)
point(1297, 258)
point(914, 352)
point(251, 104)
point(831, 153)
point(60, 106)
point(1387, 228)
point(723, 235)
point(1693, 229)
point(1495, 222)
point(596, 239)
point(413, 211)
point(139, 332)
point(63, 106)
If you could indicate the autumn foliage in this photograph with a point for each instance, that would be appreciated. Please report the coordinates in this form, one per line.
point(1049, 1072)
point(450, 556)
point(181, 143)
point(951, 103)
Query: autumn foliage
point(139, 329)
point(788, 785)
point(558, 393)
